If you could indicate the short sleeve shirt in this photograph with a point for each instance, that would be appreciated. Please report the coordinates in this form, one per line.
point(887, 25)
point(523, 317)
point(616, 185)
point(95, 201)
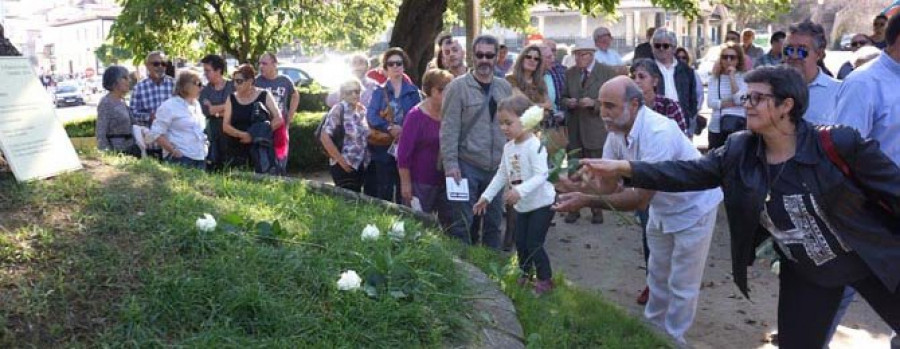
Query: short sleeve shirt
point(281, 88)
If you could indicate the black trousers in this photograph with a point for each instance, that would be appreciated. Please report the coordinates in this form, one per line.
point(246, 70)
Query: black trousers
point(531, 232)
point(352, 180)
point(806, 310)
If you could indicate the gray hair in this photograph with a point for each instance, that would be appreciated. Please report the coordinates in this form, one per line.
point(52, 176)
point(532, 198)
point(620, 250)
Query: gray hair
point(347, 86)
point(358, 57)
point(664, 34)
point(112, 74)
point(814, 30)
point(647, 65)
point(159, 54)
point(486, 40)
point(632, 91)
point(601, 31)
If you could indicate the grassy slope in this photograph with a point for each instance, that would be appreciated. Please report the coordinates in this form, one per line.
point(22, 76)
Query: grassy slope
point(110, 256)
point(113, 257)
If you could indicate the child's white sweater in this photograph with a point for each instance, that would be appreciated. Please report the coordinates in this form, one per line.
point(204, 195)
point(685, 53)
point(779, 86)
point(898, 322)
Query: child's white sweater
point(525, 170)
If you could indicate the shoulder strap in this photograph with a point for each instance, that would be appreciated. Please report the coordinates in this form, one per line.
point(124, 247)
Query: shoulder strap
point(487, 101)
point(836, 158)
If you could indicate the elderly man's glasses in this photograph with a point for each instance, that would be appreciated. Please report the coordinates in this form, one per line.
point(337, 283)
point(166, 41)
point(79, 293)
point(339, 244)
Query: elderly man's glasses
point(485, 55)
point(754, 98)
point(662, 46)
point(158, 64)
point(791, 51)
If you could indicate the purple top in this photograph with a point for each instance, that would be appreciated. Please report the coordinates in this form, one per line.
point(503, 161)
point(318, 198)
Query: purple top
point(419, 147)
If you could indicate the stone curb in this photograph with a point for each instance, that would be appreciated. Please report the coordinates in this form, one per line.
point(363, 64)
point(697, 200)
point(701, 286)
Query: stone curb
point(497, 323)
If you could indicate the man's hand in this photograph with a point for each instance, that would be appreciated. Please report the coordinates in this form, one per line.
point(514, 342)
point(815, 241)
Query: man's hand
point(586, 102)
point(176, 154)
point(456, 174)
point(571, 103)
point(480, 207)
point(568, 184)
point(602, 167)
point(246, 138)
point(345, 165)
point(571, 202)
point(395, 130)
point(511, 197)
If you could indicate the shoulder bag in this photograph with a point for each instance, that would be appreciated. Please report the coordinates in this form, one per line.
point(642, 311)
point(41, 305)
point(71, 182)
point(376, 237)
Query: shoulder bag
point(730, 123)
point(378, 137)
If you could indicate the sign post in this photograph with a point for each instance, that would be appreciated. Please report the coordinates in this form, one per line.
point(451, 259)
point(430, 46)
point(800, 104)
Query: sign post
point(32, 139)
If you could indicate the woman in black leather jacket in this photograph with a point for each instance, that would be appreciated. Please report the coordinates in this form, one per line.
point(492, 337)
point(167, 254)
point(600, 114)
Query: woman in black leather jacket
point(779, 181)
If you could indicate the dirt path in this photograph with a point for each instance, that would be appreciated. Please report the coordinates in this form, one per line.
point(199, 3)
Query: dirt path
point(608, 258)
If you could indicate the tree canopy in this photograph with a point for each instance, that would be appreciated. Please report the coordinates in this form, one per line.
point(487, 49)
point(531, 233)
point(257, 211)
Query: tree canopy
point(752, 12)
point(244, 29)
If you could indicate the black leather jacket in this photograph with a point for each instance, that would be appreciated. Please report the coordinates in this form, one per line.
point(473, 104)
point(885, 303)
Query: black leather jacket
point(740, 168)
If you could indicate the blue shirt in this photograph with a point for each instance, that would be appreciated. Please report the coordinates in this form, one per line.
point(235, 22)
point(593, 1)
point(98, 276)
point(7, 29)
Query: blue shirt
point(869, 100)
point(822, 99)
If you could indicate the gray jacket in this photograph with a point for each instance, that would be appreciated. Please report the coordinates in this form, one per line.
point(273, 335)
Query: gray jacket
point(467, 131)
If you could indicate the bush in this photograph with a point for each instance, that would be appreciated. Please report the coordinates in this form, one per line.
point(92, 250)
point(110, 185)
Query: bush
point(304, 155)
point(82, 128)
point(312, 98)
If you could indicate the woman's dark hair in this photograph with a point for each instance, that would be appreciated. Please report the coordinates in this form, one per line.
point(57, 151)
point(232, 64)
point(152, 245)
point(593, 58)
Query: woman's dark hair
point(113, 74)
point(786, 82)
point(216, 62)
point(648, 65)
point(394, 51)
point(680, 49)
point(439, 44)
point(247, 71)
point(537, 76)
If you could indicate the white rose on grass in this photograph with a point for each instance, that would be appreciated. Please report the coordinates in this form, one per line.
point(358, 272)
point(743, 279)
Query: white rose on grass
point(206, 223)
point(370, 232)
point(398, 231)
point(349, 281)
point(532, 117)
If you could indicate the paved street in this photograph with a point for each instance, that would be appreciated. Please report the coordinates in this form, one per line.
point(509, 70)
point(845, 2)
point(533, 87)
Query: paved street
point(66, 114)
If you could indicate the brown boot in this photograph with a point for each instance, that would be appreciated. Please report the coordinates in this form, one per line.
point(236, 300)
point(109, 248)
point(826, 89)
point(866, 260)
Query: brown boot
point(572, 217)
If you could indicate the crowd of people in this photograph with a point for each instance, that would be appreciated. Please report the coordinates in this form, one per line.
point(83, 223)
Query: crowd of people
point(783, 171)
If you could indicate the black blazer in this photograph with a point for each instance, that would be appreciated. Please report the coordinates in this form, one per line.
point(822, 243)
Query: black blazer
point(740, 168)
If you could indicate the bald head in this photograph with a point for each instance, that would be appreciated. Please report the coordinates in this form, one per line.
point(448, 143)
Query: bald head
point(619, 101)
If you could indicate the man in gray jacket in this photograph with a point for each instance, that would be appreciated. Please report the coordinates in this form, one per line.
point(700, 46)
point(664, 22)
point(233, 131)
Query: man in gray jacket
point(471, 140)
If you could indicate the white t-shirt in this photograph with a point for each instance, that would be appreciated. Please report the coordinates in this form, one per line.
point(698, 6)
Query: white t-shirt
point(524, 168)
point(608, 57)
point(654, 137)
point(669, 80)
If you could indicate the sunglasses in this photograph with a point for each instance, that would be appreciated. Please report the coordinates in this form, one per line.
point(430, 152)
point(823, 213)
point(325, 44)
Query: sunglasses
point(485, 55)
point(856, 44)
point(729, 57)
point(878, 24)
point(662, 46)
point(395, 63)
point(533, 58)
point(157, 64)
point(683, 58)
point(198, 83)
point(801, 52)
point(239, 81)
point(754, 98)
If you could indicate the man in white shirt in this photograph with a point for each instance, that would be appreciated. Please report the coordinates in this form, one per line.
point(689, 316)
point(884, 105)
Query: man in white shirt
point(680, 82)
point(604, 54)
point(680, 226)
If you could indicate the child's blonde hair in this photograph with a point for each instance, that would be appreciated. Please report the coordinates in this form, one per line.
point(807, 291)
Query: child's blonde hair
point(517, 104)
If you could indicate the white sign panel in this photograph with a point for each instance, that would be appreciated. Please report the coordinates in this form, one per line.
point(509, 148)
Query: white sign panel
point(33, 141)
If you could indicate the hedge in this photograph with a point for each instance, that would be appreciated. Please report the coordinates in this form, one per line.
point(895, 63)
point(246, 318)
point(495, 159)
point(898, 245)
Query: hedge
point(304, 154)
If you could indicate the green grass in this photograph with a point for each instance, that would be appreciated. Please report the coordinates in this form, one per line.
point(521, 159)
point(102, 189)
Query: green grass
point(85, 127)
point(111, 257)
point(568, 317)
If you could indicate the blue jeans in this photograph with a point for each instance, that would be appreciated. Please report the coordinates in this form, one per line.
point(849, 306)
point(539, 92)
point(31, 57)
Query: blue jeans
point(462, 210)
point(387, 180)
point(187, 162)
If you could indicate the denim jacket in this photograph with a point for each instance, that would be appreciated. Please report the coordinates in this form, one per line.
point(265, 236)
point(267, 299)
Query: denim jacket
point(409, 98)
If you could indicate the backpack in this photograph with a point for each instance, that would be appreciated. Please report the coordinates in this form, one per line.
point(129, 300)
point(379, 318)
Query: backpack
point(337, 136)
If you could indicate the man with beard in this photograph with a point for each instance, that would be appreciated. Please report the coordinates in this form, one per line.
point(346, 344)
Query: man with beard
point(150, 93)
point(471, 140)
point(680, 226)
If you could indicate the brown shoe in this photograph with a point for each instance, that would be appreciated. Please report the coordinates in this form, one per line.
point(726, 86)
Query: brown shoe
point(644, 297)
point(572, 217)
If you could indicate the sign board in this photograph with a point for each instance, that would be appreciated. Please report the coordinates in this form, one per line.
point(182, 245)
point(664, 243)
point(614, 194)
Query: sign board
point(33, 141)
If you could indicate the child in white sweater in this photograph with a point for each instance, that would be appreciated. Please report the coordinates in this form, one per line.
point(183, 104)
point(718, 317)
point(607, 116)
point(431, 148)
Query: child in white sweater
point(524, 168)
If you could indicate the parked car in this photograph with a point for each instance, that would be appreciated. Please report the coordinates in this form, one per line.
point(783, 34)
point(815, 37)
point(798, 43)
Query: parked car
point(68, 93)
point(299, 76)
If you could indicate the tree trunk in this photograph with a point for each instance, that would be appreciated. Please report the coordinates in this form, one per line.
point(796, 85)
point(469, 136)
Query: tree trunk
point(417, 25)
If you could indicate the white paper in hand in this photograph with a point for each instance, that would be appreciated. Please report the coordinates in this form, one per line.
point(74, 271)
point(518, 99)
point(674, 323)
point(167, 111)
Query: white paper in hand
point(457, 191)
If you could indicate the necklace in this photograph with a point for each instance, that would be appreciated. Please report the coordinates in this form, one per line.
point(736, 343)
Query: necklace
point(773, 181)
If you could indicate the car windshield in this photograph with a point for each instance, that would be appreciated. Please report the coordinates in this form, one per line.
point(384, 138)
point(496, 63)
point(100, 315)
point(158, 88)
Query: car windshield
point(66, 89)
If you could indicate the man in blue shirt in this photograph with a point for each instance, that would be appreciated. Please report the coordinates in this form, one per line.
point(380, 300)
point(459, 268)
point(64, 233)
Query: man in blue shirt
point(804, 47)
point(150, 93)
point(869, 100)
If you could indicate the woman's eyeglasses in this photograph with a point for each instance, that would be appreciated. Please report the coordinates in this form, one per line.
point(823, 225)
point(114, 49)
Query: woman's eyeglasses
point(533, 58)
point(790, 51)
point(754, 98)
point(238, 81)
point(729, 57)
point(395, 63)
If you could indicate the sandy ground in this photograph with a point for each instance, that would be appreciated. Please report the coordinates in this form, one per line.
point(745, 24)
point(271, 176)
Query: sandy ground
point(609, 258)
